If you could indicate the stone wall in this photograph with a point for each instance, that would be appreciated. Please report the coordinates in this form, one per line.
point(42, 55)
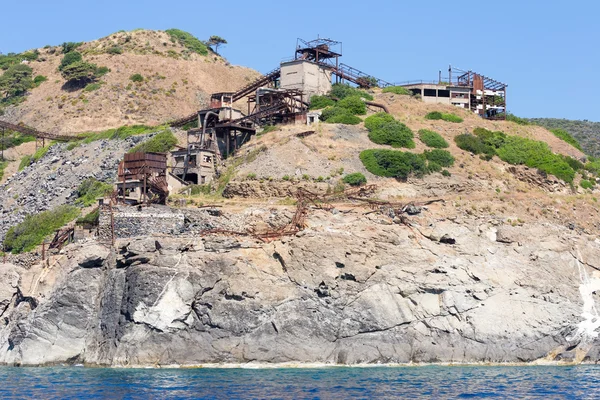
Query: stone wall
point(139, 221)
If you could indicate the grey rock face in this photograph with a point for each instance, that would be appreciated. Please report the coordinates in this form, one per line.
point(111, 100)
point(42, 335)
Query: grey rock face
point(349, 289)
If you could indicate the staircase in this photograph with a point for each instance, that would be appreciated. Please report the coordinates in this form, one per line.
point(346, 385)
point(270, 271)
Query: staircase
point(358, 77)
point(260, 82)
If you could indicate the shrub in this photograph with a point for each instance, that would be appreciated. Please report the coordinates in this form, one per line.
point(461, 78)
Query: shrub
point(25, 162)
point(440, 157)
point(16, 80)
point(102, 71)
point(159, 143)
point(114, 50)
point(493, 139)
point(341, 91)
point(69, 47)
point(535, 154)
point(575, 164)
point(14, 139)
point(79, 72)
point(3, 165)
point(90, 189)
point(70, 58)
point(566, 136)
point(397, 90)
point(432, 139)
point(586, 184)
point(355, 179)
point(286, 178)
point(517, 120)
point(188, 41)
point(393, 163)
point(90, 218)
point(92, 86)
point(319, 102)
point(446, 173)
point(473, 144)
point(32, 231)
point(354, 105)
point(136, 78)
point(435, 115)
point(39, 79)
point(269, 128)
point(338, 115)
point(384, 129)
point(196, 190)
point(251, 176)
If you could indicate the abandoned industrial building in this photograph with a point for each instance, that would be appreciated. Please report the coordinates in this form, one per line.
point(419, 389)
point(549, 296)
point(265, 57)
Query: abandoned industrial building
point(282, 96)
point(484, 96)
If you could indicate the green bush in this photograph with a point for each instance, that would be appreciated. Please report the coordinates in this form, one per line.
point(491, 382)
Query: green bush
point(100, 71)
point(341, 91)
point(355, 179)
point(90, 87)
point(90, 218)
point(159, 143)
point(586, 184)
point(90, 189)
point(442, 158)
point(354, 105)
point(69, 47)
point(3, 165)
point(517, 120)
point(393, 163)
point(384, 129)
point(197, 190)
point(535, 154)
point(575, 164)
point(566, 136)
point(473, 144)
point(70, 58)
point(16, 80)
point(339, 115)
point(79, 72)
point(188, 41)
point(136, 78)
point(25, 162)
point(493, 139)
point(115, 50)
point(397, 90)
point(14, 139)
point(39, 79)
point(593, 165)
point(436, 115)
point(432, 139)
point(319, 102)
point(446, 173)
point(120, 133)
point(32, 231)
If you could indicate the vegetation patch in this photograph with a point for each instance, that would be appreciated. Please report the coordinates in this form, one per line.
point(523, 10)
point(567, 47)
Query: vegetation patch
point(70, 58)
point(3, 165)
point(6, 60)
point(90, 87)
point(339, 115)
point(436, 115)
point(397, 90)
point(438, 159)
point(566, 136)
point(159, 143)
point(136, 78)
point(355, 179)
point(586, 184)
point(38, 80)
point(90, 189)
point(393, 163)
point(90, 218)
point(517, 120)
point(341, 91)
point(14, 139)
point(188, 41)
point(14, 84)
point(319, 102)
point(384, 129)
point(35, 228)
point(432, 139)
point(115, 50)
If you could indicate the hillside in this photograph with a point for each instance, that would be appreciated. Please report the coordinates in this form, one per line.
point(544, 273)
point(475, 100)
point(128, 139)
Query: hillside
point(176, 82)
point(586, 132)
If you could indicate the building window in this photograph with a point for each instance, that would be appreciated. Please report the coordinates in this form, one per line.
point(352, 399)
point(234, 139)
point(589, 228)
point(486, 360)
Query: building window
point(443, 93)
point(430, 93)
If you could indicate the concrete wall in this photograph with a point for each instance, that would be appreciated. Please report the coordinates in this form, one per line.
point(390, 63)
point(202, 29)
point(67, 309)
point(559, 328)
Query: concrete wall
point(306, 76)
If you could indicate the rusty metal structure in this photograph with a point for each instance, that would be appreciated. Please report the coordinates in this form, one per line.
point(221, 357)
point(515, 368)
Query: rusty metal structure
point(142, 178)
point(63, 236)
point(40, 136)
point(488, 96)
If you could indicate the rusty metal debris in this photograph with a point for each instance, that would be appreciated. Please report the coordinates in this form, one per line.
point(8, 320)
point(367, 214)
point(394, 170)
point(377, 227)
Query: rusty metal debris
point(62, 237)
point(305, 134)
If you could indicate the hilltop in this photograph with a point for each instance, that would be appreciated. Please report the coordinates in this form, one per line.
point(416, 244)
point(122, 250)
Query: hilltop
point(175, 79)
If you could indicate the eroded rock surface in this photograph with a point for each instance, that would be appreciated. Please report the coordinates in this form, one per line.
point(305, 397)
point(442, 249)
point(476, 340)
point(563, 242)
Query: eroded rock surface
point(351, 288)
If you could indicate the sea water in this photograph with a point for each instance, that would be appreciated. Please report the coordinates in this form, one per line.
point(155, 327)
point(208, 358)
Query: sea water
point(437, 382)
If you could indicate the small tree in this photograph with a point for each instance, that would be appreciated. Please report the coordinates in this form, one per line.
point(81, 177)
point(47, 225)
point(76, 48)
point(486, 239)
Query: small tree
point(216, 41)
point(70, 58)
point(80, 72)
point(16, 80)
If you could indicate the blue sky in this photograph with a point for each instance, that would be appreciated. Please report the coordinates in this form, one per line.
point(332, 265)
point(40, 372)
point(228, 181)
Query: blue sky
point(546, 51)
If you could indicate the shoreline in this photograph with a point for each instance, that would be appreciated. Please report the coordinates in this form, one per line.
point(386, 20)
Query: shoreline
point(266, 366)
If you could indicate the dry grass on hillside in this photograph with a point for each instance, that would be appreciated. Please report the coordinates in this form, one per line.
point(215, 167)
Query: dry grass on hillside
point(176, 83)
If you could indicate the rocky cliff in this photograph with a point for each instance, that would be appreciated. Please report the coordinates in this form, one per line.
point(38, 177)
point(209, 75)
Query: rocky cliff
point(355, 286)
